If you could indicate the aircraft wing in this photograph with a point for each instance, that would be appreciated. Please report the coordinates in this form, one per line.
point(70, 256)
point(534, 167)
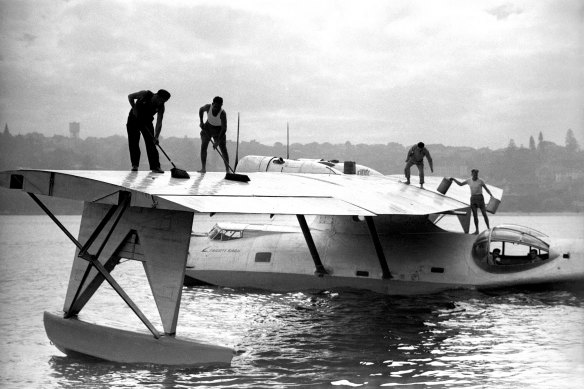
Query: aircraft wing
point(266, 193)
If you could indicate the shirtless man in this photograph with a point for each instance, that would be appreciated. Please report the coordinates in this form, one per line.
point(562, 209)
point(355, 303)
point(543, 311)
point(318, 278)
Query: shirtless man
point(476, 196)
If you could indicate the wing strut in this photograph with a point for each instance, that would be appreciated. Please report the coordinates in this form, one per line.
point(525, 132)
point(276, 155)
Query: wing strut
point(320, 270)
point(93, 259)
point(378, 248)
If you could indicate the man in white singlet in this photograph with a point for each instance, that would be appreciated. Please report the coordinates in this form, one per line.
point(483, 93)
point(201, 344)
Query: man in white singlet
point(215, 127)
point(476, 196)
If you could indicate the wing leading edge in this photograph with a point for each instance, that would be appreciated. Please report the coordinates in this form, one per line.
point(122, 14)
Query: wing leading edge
point(266, 193)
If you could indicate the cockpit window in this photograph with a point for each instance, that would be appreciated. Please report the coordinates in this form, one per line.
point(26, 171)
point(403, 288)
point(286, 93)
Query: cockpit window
point(510, 248)
point(519, 234)
point(218, 233)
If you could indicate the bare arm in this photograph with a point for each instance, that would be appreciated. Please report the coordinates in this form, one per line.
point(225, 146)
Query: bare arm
point(223, 123)
point(458, 182)
point(487, 189)
point(202, 110)
point(158, 127)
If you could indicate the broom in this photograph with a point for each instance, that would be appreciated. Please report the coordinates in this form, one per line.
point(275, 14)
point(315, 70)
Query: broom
point(174, 172)
point(229, 176)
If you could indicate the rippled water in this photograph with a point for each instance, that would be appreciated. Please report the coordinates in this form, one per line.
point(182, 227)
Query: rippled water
point(513, 338)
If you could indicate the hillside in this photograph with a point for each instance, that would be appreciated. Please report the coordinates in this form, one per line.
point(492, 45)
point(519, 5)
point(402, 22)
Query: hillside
point(542, 178)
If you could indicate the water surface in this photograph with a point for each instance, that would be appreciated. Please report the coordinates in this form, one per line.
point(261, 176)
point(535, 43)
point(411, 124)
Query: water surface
point(512, 338)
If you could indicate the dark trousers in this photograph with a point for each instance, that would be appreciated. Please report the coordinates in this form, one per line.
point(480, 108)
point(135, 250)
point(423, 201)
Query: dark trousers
point(420, 166)
point(135, 127)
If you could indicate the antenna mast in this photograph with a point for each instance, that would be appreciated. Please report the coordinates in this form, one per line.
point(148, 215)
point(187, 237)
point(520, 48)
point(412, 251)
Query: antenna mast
point(237, 145)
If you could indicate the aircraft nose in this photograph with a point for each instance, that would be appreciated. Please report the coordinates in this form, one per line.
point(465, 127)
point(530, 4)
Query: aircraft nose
point(555, 253)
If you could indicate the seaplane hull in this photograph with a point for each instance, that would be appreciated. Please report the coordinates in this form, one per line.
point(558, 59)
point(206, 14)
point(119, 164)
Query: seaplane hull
point(425, 259)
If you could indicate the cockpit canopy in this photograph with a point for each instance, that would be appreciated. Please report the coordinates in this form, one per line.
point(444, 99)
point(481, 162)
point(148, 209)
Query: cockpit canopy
point(510, 248)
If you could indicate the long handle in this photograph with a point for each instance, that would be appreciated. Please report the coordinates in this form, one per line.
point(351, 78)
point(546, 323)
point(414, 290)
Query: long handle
point(220, 154)
point(160, 147)
point(167, 157)
point(237, 145)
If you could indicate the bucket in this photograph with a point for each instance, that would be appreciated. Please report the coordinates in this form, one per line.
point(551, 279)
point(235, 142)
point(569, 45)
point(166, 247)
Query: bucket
point(493, 205)
point(349, 167)
point(444, 185)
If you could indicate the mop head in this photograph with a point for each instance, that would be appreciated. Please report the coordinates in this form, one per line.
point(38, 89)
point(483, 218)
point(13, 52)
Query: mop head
point(179, 173)
point(237, 177)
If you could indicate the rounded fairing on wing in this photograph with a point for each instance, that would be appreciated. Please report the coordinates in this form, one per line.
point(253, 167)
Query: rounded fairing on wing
point(257, 163)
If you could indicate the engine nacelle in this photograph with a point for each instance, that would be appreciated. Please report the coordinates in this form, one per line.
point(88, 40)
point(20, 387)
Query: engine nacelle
point(256, 163)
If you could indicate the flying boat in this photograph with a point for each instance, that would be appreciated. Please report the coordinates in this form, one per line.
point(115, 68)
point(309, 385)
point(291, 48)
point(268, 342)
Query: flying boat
point(281, 230)
point(399, 248)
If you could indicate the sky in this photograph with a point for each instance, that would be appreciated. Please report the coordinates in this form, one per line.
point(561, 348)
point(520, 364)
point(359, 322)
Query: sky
point(460, 73)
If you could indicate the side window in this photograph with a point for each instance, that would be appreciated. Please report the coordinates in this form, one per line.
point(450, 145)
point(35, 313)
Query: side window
point(263, 257)
point(516, 250)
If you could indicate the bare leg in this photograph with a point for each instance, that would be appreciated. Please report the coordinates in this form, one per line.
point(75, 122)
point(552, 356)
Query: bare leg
point(484, 212)
point(476, 219)
point(204, 145)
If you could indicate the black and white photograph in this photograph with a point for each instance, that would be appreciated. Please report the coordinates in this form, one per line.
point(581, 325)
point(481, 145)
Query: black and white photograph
point(291, 194)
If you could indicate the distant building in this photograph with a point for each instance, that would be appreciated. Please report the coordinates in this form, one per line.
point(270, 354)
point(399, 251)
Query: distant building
point(74, 128)
point(569, 176)
point(6, 131)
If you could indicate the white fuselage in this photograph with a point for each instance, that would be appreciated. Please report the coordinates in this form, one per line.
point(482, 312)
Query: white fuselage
point(421, 257)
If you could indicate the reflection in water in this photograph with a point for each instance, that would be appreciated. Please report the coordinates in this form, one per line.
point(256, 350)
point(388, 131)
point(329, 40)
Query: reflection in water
point(73, 372)
point(349, 338)
point(357, 338)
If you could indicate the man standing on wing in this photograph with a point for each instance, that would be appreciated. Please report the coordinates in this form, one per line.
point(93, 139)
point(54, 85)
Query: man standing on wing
point(476, 196)
point(145, 105)
point(215, 127)
point(416, 156)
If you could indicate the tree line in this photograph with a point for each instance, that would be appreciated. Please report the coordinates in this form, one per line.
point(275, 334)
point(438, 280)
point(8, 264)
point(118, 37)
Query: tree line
point(543, 177)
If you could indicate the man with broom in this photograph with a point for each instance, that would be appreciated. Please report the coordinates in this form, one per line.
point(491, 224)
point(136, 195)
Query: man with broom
point(215, 127)
point(145, 105)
